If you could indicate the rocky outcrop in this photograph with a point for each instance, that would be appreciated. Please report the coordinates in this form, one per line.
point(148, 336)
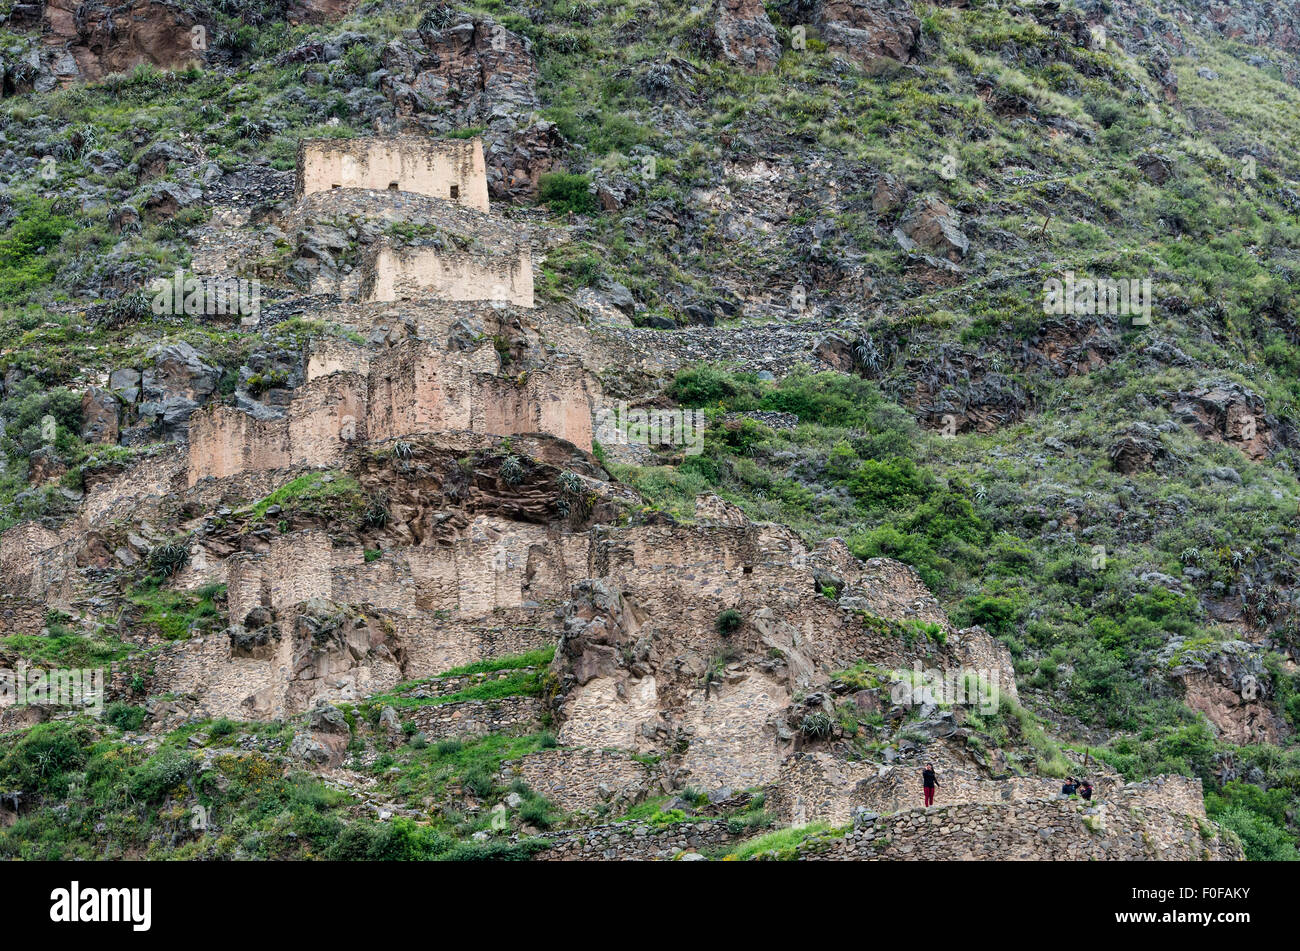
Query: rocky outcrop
point(100, 412)
point(177, 384)
point(1228, 412)
point(1136, 450)
point(1229, 683)
point(90, 40)
point(874, 34)
point(889, 196)
point(932, 225)
point(475, 72)
point(745, 36)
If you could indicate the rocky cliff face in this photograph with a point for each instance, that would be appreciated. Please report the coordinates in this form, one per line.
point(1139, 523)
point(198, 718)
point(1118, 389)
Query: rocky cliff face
point(84, 42)
point(477, 73)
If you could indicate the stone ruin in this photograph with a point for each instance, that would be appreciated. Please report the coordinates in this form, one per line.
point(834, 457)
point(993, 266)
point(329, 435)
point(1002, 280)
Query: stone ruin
point(404, 273)
point(648, 692)
point(451, 169)
point(461, 253)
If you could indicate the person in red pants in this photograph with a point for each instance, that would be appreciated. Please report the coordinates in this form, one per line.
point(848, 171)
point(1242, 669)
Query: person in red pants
point(928, 782)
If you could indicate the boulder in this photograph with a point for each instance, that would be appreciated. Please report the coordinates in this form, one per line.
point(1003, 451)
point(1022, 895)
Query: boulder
point(932, 225)
point(1136, 449)
point(175, 386)
point(1227, 412)
point(889, 196)
point(125, 384)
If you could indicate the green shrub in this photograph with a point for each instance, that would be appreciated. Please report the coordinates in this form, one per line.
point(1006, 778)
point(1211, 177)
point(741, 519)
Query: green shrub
point(1262, 840)
point(728, 622)
point(478, 781)
point(39, 760)
point(564, 192)
point(124, 716)
point(160, 774)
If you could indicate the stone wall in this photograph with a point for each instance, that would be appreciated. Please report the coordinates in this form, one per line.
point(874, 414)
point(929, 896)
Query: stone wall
point(393, 274)
point(20, 615)
point(50, 574)
point(636, 841)
point(435, 644)
point(328, 355)
point(1035, 830)
point(816, 786)
point(508, 715)
point(294, 671)
point(407, 390)
point(157, 476)
point(580, 780)
point(451, 169)
point(324, 416)
point(733, 733)
point(19, 548)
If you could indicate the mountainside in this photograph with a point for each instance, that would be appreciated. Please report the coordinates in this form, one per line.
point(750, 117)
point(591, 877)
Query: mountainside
point(642, 430)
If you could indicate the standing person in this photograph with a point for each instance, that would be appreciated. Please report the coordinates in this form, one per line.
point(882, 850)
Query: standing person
point(1069, 787)
point(928, 782)
point(1085, 790)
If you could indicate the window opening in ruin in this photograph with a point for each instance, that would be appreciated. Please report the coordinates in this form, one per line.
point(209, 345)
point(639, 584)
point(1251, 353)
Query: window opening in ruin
point(455, 192)
point(392, 186)
point(336, 186)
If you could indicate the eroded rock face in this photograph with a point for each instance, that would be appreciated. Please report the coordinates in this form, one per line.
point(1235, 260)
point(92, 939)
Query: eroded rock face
point(889, 196)
point(1136, 450)
point(723, 697)
point(1073, 345)
point(334, 653)
point(932, 225)
point(745, 36)
point(175, 386)
point(91, 40)
point(100, 412)
point(476, 72)
point(1227, 412)
point(1230, 685)
point(875, 34)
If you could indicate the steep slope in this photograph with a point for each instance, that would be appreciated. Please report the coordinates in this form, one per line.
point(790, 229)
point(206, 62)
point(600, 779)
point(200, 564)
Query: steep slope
point(834, 227)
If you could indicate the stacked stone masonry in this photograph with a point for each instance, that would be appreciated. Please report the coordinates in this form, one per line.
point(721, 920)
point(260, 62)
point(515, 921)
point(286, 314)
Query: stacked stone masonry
point(1035, 830)
point(475, 718)
point(448, 169)
point(409, 389)
point(632, 841)
point(580, 780)
point(818, 787)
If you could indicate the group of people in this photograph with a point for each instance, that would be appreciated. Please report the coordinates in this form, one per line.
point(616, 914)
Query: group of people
point(1072, 787)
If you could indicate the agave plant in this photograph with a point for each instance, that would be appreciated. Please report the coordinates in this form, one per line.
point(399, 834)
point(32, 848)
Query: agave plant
point(868, 356)
point(376, 514)
point(816, 726)
point(168, 559)
point(403, 449)
point(512, 470)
